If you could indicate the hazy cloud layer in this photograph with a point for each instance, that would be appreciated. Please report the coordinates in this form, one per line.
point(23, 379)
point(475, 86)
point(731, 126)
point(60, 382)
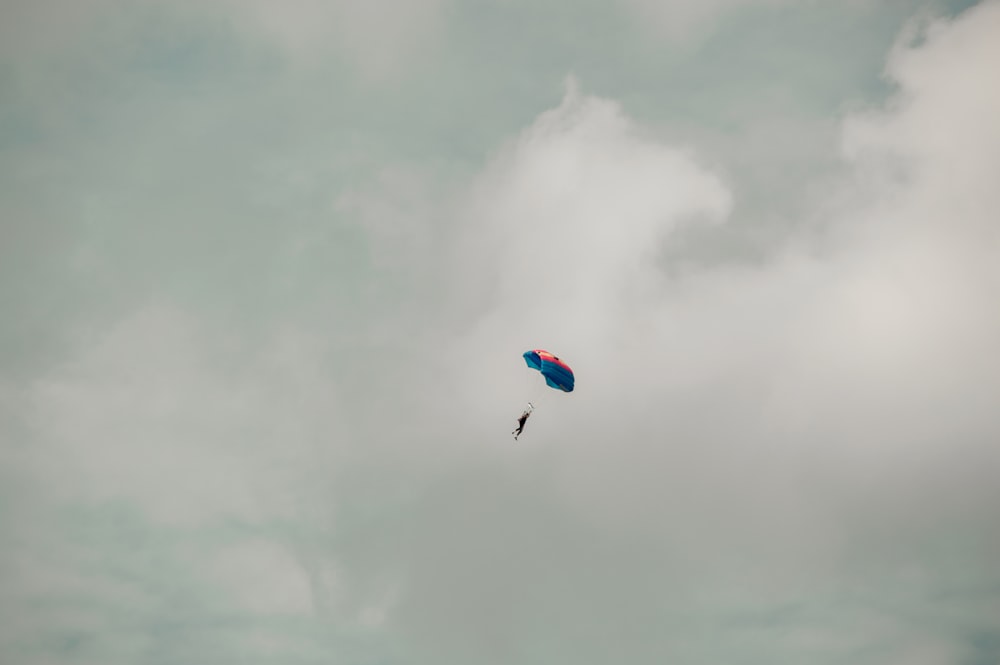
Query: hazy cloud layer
point(264, 413)
point(379, 38)
point(680, 21)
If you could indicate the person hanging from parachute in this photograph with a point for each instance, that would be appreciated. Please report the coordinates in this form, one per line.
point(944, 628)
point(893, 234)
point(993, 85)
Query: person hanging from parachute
point(557, 373)
point(521, 420)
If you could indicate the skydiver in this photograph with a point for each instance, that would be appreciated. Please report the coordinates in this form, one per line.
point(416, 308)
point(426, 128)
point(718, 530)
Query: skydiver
point(521, 421)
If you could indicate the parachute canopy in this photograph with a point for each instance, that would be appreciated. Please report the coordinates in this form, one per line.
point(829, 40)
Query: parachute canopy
point(557, 373)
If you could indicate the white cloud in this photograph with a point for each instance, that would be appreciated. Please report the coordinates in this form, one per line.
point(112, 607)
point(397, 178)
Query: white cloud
point(882, 331)
point(190, 425)
point(31, 26)
point(681, 20)
point(563, 231)
point(396, 214)
point(758, 460)
point(382, 37)
point(261, 577)
point(791, 434)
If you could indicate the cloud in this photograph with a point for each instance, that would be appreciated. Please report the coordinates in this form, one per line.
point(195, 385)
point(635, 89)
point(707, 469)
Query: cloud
point(32, 27)
point(163, 414)
point(878, 329)
point(379, 39)
point(263, 578)
point(815, 433)
point(568, 223)
point(681, 21)
point(180, 479)
point(786, 461)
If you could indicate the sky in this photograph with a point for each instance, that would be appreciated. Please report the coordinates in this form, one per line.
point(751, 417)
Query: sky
point(267, 271)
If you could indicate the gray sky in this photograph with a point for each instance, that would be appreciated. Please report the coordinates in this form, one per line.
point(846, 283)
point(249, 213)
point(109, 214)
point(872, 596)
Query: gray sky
point(267, 271)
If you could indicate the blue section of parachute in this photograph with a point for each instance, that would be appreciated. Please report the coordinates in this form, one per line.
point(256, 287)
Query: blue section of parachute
point(534, 362)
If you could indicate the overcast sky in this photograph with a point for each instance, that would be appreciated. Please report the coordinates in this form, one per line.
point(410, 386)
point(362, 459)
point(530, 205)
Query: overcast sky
point(267, 270)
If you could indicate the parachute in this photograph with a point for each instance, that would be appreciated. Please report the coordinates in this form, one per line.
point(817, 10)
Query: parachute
point(557, 374)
